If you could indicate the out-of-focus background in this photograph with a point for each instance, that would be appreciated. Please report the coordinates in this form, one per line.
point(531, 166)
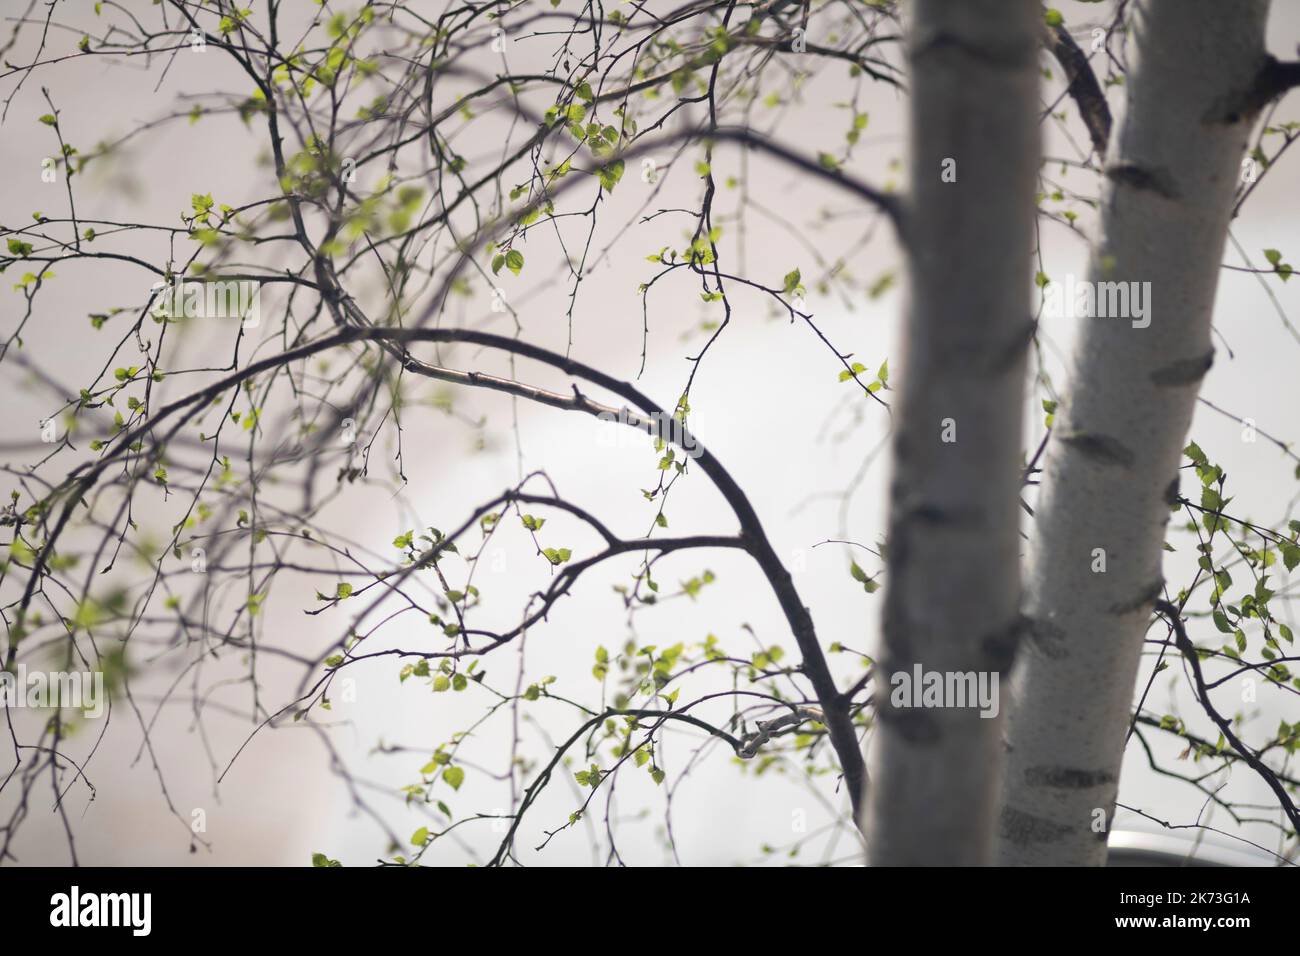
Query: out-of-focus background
point(767, 399)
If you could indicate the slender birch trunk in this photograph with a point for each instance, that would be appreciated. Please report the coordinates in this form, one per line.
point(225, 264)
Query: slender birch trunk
point(952, 598)
point(1111, 469)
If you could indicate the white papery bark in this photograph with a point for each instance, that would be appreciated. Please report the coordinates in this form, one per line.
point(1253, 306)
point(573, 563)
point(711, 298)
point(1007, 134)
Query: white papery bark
point(1112, 464)
point(952, 582)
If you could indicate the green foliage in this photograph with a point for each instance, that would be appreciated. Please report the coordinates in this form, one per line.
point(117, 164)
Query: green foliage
point(1282, 269)
point(868, 583)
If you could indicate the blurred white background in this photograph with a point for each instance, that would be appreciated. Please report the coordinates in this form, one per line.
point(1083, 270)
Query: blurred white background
point(767, 401)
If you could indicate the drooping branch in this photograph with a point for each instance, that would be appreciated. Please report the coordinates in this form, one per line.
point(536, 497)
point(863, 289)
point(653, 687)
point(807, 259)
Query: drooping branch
point(424, 83)
point(648, 414)
point(1189, 652)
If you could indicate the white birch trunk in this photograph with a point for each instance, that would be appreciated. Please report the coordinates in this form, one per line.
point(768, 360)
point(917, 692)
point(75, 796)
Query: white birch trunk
point(1112, 464)
point(952, 581)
